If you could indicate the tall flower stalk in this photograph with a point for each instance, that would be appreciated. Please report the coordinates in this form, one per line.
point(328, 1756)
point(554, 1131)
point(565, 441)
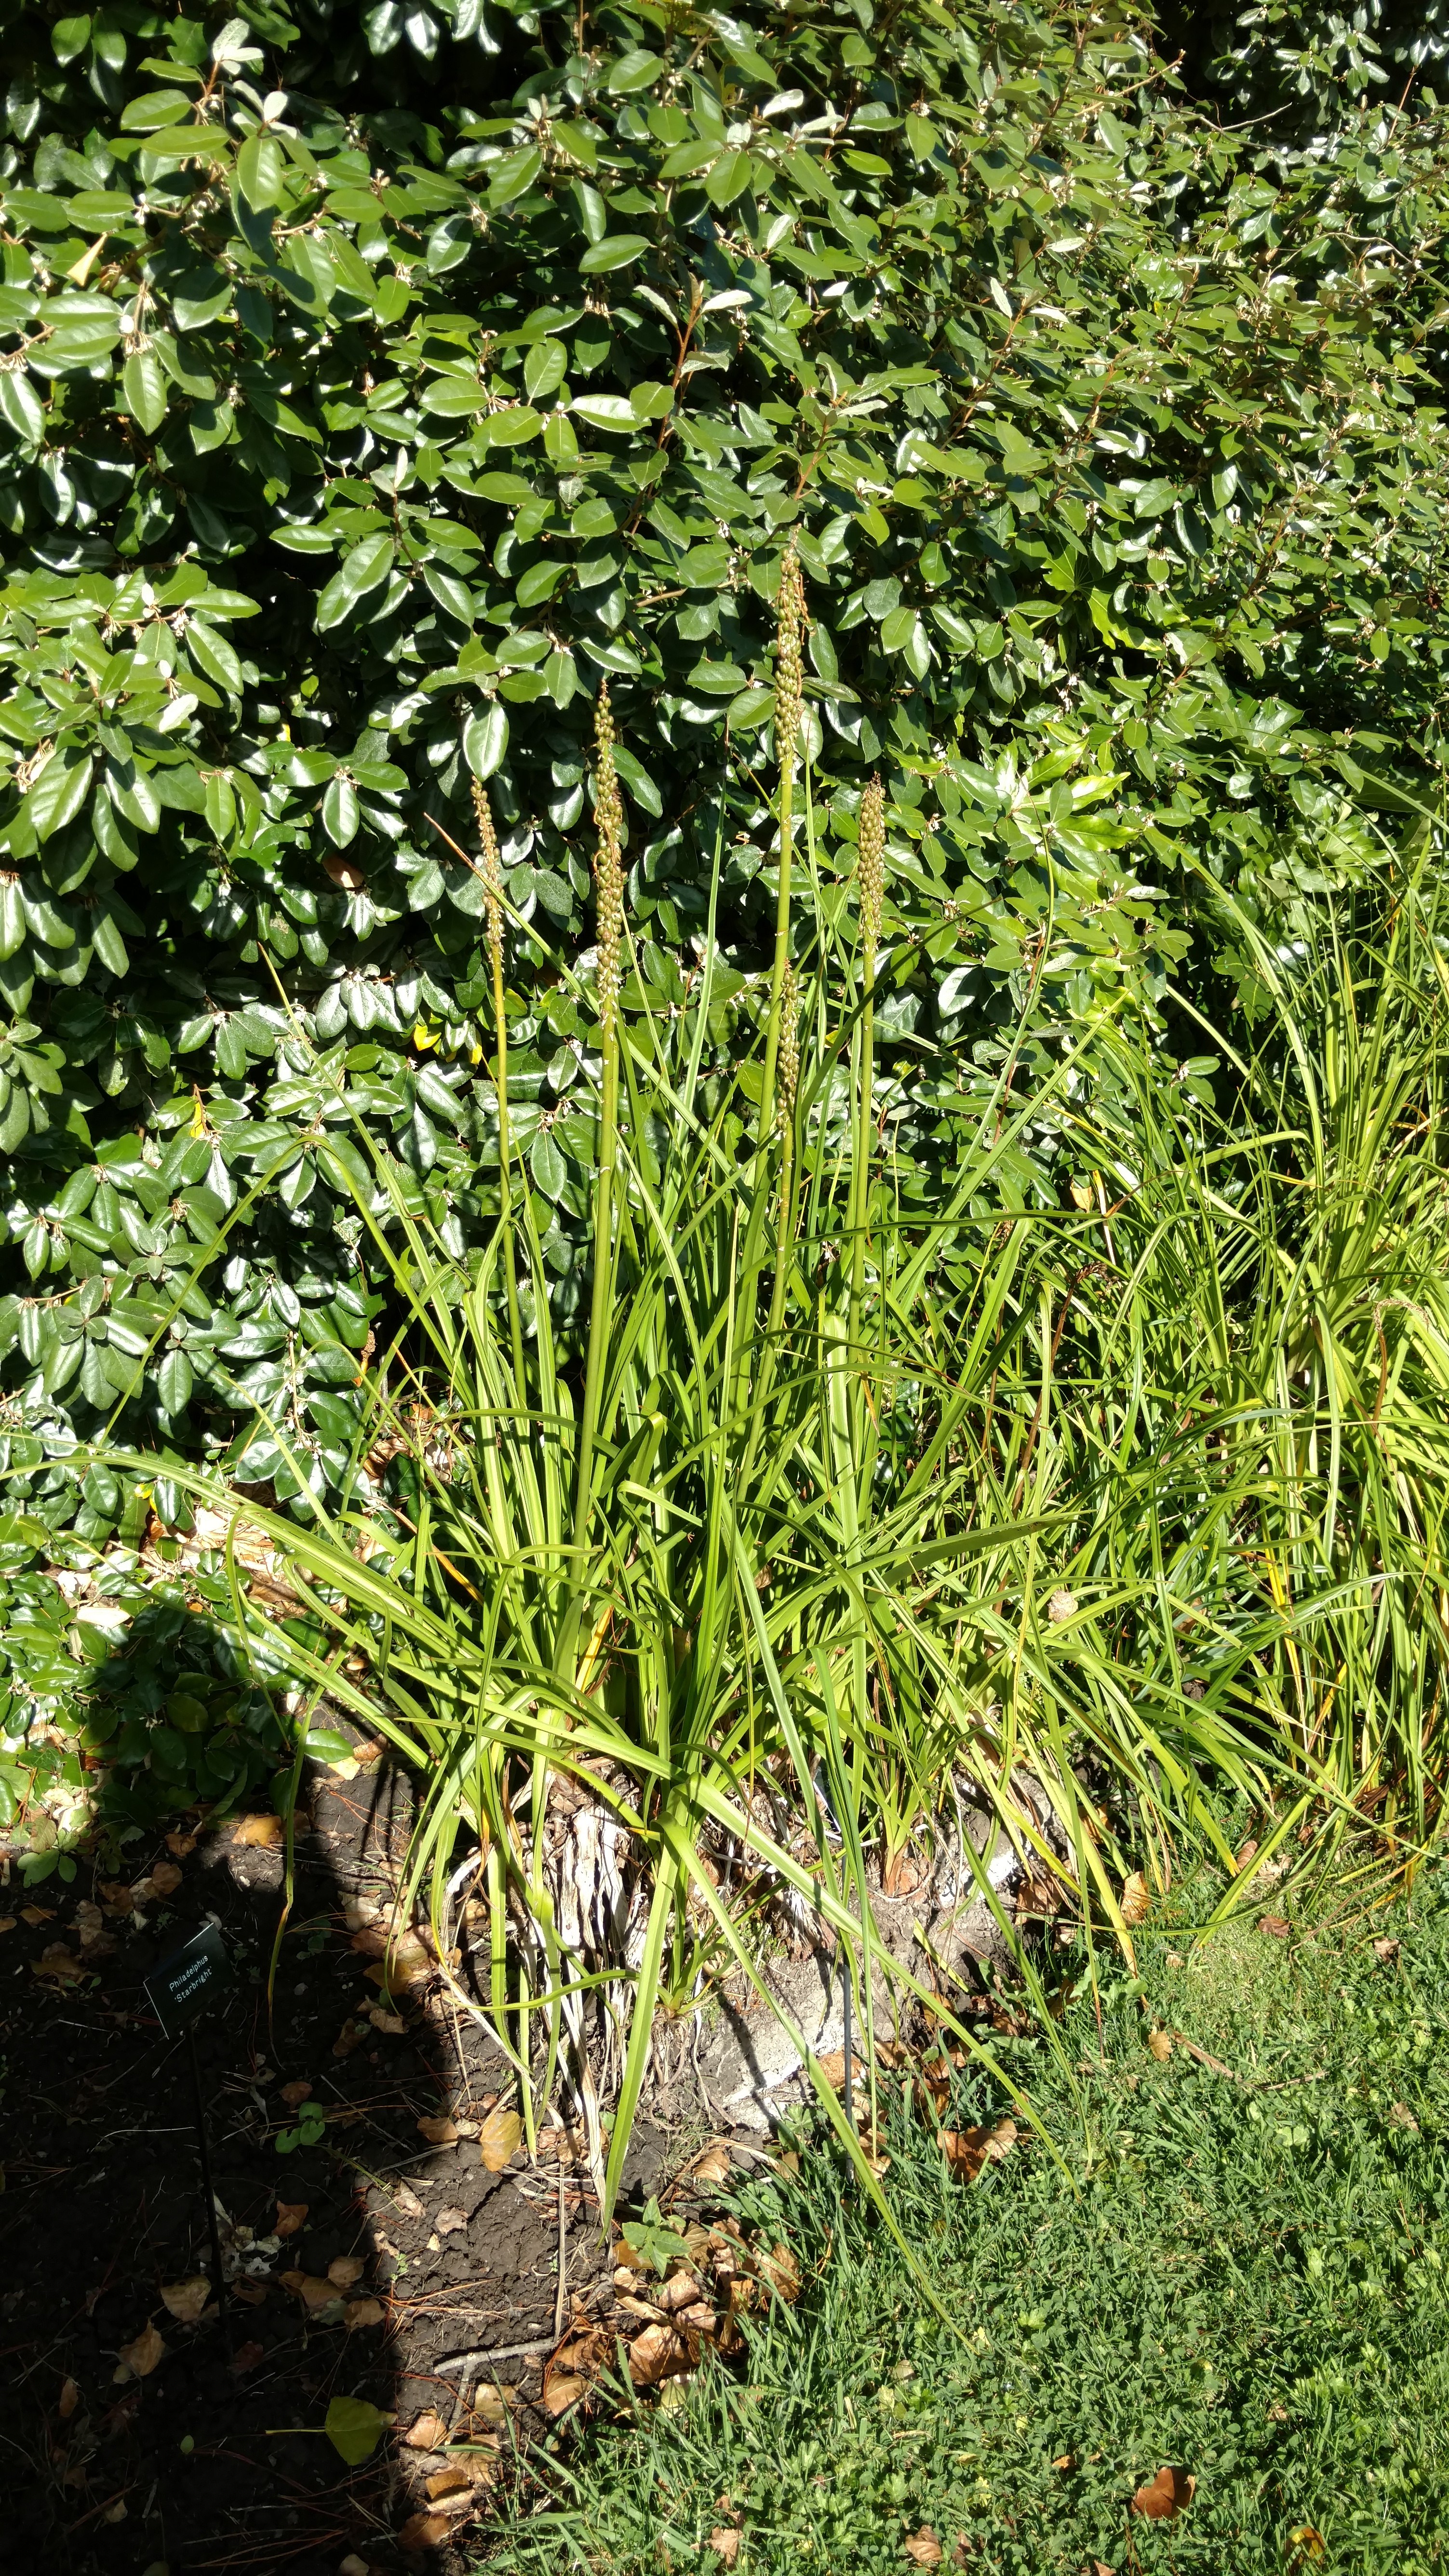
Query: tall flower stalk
point(789, 702)
point(492, 877)
point(609, 915)
point(870, 887)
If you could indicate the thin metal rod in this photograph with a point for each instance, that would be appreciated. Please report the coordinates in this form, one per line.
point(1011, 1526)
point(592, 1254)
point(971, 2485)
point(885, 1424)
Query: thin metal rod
point(217, 2280)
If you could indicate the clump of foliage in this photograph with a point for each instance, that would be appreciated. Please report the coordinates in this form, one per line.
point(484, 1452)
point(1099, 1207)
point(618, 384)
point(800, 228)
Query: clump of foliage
point(377, 388)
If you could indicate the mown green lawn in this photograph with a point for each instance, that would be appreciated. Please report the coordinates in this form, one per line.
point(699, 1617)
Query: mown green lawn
point(1240, 2276)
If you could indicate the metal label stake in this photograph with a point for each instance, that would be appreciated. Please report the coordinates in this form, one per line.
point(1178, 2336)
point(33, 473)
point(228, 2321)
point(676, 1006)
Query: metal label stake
point(186, 1985)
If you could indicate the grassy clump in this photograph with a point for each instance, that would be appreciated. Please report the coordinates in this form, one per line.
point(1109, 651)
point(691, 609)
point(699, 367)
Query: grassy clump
point(1244, 2279)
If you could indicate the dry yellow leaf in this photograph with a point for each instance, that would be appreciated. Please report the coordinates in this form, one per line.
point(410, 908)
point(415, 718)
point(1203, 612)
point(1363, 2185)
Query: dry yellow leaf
point(712, 2165)
point(782, 2272)
point(427, 2433)
point(563, 2389)
point(499, 2139)
point(138, 2359)
point(261, 1832)
point(7, 1922)
point(923, 2548)
point(439, 2132)
point(391, 2023)
point(967, 2150)
point(656, 2354)
point(311, 2290)
point(453, 2480)
point(187, 2299)
point(422, 2531)
point(37, 1914)
point(363, 2312)
point(725, 2544)
point(1160, 2044)
point(346, 2269)
point(1136, 1902)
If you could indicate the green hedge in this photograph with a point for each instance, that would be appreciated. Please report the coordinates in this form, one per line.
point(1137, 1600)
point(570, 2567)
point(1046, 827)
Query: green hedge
point(372, 384)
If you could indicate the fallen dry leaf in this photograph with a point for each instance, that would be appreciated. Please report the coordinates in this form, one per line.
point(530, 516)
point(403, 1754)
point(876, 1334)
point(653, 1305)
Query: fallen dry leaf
point(711, 2165)
point(37, 1914)
point(453, 2480)
point(363, 2312)
point(261, 1832)
point(905, 1874)
point(923, 2548)
point(248, 2357)
point(299, 2090)
point(139, 2358)
point(1160, 2043)
point(562, 2389)
point(313, 2292)
point(448, 2221)
point(252, 2294)
point(346, 2269)
point(1136, 1901)
point(725, 2544)
point(186, 2299)
point(1402, 2116)
point(439, 2132)
point(1275, 1924)
point(1386, 1949)
point(350, 2036)
point(967, 2150)
point(1308, 2543)
point(499, 2139)
point(656, 2354)
point(1164, 2495)
point(180, 1845)
point(7, 1922)
point(68, 2400)
point(422, 2531)
point(1248, 1853)
point(61, 1964)
point(390, 2022)
point(165, 1877)
point(782, 2272)
point(291, 2214)
point(405, 2199)
point(426, 2433)
point(352, 2565)
point(367, 1752)
point(1061, 1607)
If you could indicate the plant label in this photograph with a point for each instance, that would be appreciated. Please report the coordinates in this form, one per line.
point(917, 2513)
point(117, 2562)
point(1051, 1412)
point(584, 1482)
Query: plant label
point(188, 1983)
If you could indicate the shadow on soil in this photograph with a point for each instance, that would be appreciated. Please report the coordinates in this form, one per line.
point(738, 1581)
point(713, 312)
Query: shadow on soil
point(410, 2253)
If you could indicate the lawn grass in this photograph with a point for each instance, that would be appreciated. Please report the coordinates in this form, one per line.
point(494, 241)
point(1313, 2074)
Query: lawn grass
point(1243, 2279)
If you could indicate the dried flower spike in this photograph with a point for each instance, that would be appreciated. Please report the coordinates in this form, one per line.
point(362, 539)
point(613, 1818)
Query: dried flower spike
point(608, 864)
point(789, 690)
point(871, 871)
point(492, 874)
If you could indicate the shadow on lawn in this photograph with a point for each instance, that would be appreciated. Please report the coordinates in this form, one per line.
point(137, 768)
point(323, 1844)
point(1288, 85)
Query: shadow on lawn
point(406, 2252)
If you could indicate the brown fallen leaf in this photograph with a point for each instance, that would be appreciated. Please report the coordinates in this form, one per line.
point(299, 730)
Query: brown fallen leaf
point(350, 2036)
point(363, 2312)
point(453, 2480)
point(422, 2531)
point(299, 2090)
point(725, 2544)
point(68, 2400)
point(499, 2139)
point(7, 1922)
point(923, 2548)
point(967, 2150)
point(1402, 2116)
point(60, 1964)
point(186, 2299)
point(1307, 2544)
point(367, 1752)
point(346, 2269)
point(252, 2294)
point(1385, 1949)
point(439, 2132)
point(406, 2199)
point(1160, 2043)
point(260, 1832)
point(782, 2272)
point(1135, 1900)
point(1164, 2495)
point(562, 2389)
point(389, 2022)
point(313, 2292)
point(248, 2357)
point(165, 1877)
point(181, 1846)
point(426, 2433)
point(711, 2165)
point(291, 2214)
point(1248, 1853)
point(448, 2221)
point(138, 2358)
point(1274, 1924)
point(37, 1914)
point(656, 2354)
